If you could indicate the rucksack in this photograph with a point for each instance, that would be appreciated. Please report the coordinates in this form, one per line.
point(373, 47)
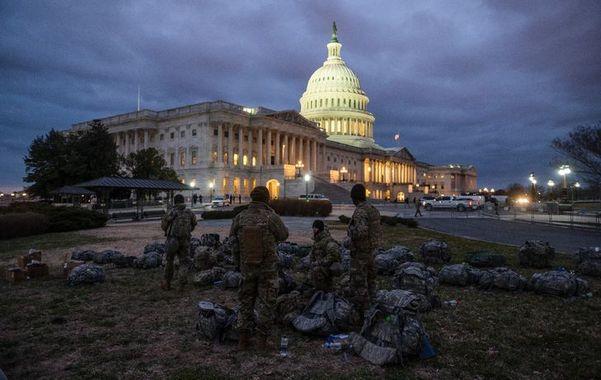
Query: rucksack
point(182, 224)
point(481, 259)
point(559, 283)
point(405, 300)
point(388, 336)
point(416, 277)
point(387, 261)
point(216, 321)
point(458, 274)
point(325, 314)
point(502, 278)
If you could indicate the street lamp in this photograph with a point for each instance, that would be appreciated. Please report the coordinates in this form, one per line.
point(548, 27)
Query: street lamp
point(343, 171)
point(212, 190)
point(532, 179)
point(576, 187)
point(564, 170)
point(299, 165)
point(307, 179)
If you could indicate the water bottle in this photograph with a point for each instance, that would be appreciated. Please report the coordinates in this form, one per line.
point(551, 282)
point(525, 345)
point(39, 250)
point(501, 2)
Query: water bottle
point(450, 303)
point(284, 346)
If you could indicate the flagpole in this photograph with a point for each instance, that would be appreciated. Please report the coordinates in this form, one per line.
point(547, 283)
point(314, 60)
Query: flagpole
point(138, 98)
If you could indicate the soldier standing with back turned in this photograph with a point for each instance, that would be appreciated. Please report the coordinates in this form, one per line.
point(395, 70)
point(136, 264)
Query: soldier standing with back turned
point(324, 254)
point(178, 225)
point(256, 230)
point(364, 232)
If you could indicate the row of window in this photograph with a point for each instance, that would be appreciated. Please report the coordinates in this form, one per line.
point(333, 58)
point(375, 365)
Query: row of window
point(182, 134)
point(346, 79)
point(331, 102)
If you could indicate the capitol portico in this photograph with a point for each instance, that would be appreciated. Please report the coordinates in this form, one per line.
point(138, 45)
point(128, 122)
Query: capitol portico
point(224, 148)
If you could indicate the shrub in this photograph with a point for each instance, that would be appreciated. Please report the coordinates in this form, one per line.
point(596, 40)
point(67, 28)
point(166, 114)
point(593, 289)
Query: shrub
point(344, 219)
point(299, 207)
point(389, 220)
point(22, 224)
point(74, 218)
point(409, 222)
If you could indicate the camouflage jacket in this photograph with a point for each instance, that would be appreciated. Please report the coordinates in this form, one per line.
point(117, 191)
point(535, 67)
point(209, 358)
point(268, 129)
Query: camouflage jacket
point(326, 250)
point(179, 222)
point(364, 230)
point(271, 230)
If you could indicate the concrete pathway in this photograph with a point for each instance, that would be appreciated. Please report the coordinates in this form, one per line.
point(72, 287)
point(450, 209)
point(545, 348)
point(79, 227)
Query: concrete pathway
point(514, 233)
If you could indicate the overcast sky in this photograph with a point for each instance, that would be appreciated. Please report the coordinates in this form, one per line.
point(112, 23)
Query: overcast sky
point(472, 82)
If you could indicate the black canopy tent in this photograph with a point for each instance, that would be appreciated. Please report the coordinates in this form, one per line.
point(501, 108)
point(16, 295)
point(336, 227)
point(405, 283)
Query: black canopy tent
point(105, 184)
point(73, 192)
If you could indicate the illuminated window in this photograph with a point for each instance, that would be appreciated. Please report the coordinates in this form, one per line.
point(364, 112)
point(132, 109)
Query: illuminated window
point(182, 158)
point(254, 161)
point(214, 156)
point(244, 160)
point(235, 158)
point(194, 157)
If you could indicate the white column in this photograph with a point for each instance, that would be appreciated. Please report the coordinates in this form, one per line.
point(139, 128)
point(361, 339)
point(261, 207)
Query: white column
point(250, 149)
point(135, 140)
point(301, 155)
point(146, 139)
point(278, 154)
point(126, 143)
point(260, 148)
point(240, 146)
point(293, 159)
point(314, 155)
point(286, 149)
point(230, 145)
point(219, 144)
point(268, 146)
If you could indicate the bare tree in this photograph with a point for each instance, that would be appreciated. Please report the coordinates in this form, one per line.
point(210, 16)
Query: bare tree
point(582, 149)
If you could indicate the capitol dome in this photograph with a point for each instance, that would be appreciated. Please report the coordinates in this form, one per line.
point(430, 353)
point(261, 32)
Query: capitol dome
point(335, 100)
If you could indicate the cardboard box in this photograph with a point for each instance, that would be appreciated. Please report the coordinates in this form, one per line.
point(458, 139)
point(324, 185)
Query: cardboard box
point(69, 265)
point(15, 275)
point(37, 270)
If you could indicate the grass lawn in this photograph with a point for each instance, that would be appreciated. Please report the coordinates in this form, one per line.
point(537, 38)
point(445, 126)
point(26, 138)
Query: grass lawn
point(128, 328)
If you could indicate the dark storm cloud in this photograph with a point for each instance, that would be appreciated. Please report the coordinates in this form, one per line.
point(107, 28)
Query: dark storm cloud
point(486, 83)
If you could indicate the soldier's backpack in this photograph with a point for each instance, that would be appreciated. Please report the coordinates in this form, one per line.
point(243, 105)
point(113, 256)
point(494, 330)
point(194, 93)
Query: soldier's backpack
point(482, 259)
point(210, 240)
point(405, 300)
point(387, 261)
point(216, 322)
point(325, 314)
point(232, 280)
point(388, 336)
point(435, 252)
point(589, 261)
point(209, 276)
point(536, 254)
point(502, 278)
point(458, 274)
point(559, 283)
point(181, 224)
point(416, 277)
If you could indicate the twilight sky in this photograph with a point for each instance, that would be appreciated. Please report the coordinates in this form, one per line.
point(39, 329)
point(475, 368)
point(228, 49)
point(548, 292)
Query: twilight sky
point(488, 83)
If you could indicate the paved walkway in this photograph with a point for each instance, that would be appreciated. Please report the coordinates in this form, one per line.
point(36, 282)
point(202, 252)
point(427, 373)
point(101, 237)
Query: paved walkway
point(514, 233)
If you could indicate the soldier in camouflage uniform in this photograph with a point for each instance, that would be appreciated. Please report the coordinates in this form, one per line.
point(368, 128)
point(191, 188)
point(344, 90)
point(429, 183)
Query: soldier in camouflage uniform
point(255, 231)
point(178, 225)
point(364, 232)
point(324, 254)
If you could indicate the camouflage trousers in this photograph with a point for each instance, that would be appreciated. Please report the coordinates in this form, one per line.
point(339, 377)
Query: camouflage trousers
point(259, 291)
point(183, 258)
point(321, 279)
point(362, 280)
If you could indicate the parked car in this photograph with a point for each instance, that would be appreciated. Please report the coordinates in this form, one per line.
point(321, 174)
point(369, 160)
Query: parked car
point(220, 202)
point(313, 197)
point(426, 198)
point(461, 203)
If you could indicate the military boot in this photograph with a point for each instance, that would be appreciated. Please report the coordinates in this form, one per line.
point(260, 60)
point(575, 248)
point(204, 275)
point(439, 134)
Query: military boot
point(165, 285)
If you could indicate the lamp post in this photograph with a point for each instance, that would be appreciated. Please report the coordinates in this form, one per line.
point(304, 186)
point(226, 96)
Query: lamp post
point(299, 165)
point(575, 194)
point(212, 190)
point(563, 171)
point(307, 179)
point(550, 184)
point(343, 171)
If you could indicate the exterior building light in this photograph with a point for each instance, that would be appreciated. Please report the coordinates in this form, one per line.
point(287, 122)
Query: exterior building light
point(193, 183)
point(307, 177)
point(564, 170)
point(577, 184)
point(551, 183)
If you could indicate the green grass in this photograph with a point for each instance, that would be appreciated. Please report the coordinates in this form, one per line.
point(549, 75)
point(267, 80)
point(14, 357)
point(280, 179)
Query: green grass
point(10, 248)
point(128, 328)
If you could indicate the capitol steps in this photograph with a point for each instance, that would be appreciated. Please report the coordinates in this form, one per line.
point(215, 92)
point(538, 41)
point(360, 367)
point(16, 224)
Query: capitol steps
point(336, 193)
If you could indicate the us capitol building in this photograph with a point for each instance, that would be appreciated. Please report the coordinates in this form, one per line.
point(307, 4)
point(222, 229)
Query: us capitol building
point(224, 148)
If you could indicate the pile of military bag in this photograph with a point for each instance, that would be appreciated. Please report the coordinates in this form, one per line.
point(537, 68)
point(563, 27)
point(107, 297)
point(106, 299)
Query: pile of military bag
point(325, 314)
point(405, 300)
point(417, 278)
point(495, 278)
point(86, 274)
point(481, 259)
point(536, 254)
point(208, 277)
point(589, 261)
point(216, 322)
point(435, 252)
point(389, 334)
point(559, 283)
point(387, 262)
